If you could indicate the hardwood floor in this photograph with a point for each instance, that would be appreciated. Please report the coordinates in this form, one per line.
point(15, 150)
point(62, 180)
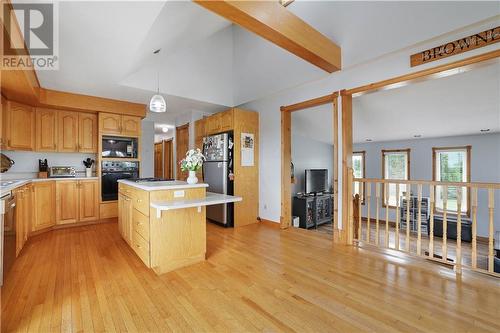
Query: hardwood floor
point(256, 278)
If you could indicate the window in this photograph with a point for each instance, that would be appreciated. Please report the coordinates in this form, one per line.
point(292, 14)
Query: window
point(358, 165)
point(395, 165)
point(451, 165)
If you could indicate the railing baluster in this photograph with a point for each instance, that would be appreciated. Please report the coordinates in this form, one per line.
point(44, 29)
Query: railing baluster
point(408, 190)
point(474, 226)
point(458, 266)
point(431, 221)
point(377, 198)
point(368, 210)
point(361, 198)
point(444, 250)
point(386, 200)
point(491, 240)
point(419, 220)
point(398, 213)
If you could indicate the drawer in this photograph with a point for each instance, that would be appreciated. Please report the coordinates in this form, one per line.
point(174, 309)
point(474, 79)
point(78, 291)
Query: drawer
point(141, 247)
point(140, 224)
point(140, 201)
point(125, 189)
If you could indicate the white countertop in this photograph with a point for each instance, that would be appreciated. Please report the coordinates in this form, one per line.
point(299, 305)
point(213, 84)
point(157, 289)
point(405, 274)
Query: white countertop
point(15, 183)
point(210, 199)
point(162, 185)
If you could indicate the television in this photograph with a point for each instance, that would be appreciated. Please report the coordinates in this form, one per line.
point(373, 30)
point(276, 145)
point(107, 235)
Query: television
point(316, 180)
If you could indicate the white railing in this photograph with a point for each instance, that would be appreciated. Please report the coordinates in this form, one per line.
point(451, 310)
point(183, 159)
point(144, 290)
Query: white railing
point(368, 227)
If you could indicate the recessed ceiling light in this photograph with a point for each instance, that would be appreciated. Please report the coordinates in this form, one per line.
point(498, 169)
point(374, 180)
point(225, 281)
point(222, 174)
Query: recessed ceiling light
point(368, 140)
point(417, 136)
point(164, 129)
point(484, 130)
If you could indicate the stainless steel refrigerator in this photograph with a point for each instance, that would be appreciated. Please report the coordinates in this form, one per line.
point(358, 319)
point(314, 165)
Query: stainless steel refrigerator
point(218, 174)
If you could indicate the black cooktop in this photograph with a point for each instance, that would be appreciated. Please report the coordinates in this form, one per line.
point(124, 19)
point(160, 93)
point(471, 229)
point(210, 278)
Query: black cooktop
point(150, 179)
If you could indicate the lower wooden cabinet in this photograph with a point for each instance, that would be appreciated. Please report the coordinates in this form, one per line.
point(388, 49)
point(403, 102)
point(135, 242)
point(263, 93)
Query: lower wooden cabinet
point(77, 201)
point(44, 202)
point(23, 215)
point(125, 217)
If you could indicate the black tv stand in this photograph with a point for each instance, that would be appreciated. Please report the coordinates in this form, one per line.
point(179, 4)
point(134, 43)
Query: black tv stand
point(313, 210)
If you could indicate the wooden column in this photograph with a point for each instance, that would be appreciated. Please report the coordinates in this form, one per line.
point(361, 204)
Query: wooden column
point(346, 165)
point(286, 152)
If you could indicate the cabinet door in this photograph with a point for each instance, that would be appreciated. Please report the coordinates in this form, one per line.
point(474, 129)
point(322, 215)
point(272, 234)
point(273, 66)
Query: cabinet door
point(67, 201)
point(20, 219)
point(125, 217)
point(3, 124)
point(20, 126)
point(89, 200)
point(226, 120)
point(87, 133)
point(44, 205)
point(46, 129)
point(131, 126)
point(110, 123)
point(68, 131)
point(213, 124)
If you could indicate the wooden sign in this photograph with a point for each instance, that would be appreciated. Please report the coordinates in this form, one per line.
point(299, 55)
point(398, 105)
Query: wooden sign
point(465, 44)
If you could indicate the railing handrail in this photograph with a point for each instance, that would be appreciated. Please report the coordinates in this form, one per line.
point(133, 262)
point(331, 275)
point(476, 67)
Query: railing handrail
point(428, 182)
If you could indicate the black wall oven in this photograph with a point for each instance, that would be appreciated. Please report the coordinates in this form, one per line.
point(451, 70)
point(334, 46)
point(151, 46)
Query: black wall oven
point(119, 147)
point(111, 172)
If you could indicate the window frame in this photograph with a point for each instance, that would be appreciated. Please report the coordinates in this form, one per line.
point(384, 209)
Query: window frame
point(384, 151)
point(363, 154)
point(468, 178)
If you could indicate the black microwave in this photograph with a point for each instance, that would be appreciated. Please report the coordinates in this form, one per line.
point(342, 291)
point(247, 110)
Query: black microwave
point(119, 147)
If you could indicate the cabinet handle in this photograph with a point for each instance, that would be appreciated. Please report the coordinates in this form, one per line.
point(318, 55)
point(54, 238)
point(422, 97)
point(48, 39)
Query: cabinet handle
point(138, 246)
point(8, 142)
point(139, 200)
point(139, 223)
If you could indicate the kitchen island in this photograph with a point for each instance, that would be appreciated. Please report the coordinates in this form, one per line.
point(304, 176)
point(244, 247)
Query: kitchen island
point(164, 222)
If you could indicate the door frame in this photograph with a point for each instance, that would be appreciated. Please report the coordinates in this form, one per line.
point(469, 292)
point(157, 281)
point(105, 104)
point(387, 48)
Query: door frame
point(177, 129)
point(448, 69)
point(171, 157)
point(286, 158)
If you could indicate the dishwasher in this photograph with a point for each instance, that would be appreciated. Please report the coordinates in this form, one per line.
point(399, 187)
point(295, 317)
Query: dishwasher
point(8, 234)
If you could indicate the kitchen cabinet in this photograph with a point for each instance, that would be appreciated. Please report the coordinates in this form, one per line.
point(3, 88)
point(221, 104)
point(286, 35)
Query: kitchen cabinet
point(199, 133)
point(88, 192)
point(213, 124)
point(3, 124)
point(131, 126)
point(20, 126)
point(23, 215)
point(219, 122)
point(110, 123)
point(67, 140)
point(46, 129)
point(125, 217)
point(87, 132)
point(67, 201)
point(226, 120)
point(44, 202)
point(77, 201)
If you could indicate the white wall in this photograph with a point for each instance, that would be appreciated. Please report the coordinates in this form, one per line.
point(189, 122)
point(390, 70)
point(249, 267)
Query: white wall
point(386, 67)
point(310, 154)
point(485, 166)
point(26, 162)
point(147, 149)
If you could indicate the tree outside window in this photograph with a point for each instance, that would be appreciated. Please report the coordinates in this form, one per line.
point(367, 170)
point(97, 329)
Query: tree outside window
point(395, 165)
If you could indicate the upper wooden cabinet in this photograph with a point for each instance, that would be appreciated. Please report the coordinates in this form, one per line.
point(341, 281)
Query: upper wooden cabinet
point(226, 120)
point(131, 125)
point(3, 124)
point(219, 122)
point(46, 130)
point(67, 140)
point(44, 200)
point(87, 133)
point(110, 123)
point(20, 126)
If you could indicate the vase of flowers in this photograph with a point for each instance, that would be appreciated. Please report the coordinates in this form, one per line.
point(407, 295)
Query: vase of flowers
point(192, 162)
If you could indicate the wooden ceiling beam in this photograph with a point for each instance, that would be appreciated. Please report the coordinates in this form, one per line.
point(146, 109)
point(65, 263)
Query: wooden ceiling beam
point(272, 21)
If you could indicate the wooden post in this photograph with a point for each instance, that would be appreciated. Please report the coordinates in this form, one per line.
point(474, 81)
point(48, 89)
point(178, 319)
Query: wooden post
point(355, 212)
point(286, 152)
point(445, 224)
point(419, 220)
point(368, 199)
point(458, 265)
point(360, 226)
point(408, 190)
point(377, 198)
point(474, 226)
point(346, 161)
point(350, 208)
point(431, 221)
point(386, 196)
point(491, 240)
point(398, 213)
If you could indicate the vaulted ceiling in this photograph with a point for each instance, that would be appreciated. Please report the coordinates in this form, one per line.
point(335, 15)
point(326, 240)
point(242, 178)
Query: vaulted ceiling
point(206, 63)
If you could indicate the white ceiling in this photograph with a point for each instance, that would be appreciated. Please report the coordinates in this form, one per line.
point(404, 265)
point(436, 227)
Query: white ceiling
point(460, 104)
point(207, 64)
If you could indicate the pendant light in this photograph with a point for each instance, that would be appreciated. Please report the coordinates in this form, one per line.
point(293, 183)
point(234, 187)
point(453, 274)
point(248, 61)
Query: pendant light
point(157, 102)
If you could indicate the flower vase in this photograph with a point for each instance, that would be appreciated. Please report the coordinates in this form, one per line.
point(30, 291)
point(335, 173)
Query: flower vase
point(88, 172)
point(192, 179)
